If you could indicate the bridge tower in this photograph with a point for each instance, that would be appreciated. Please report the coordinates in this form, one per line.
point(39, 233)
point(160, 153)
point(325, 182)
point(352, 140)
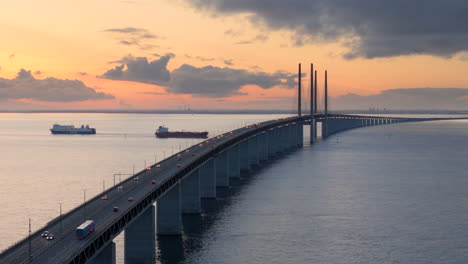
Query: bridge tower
point(313, 129)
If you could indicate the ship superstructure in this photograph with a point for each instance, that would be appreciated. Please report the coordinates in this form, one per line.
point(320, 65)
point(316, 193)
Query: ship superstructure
point(70, 129)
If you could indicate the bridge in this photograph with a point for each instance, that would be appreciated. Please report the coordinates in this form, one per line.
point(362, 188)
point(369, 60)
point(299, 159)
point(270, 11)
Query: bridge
point(165, 191)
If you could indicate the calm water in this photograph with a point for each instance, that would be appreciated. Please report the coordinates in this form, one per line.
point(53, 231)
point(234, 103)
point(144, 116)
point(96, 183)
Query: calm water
point(388, 194)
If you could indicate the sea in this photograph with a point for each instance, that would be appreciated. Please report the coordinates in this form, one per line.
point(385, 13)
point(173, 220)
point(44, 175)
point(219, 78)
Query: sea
point(385, 194)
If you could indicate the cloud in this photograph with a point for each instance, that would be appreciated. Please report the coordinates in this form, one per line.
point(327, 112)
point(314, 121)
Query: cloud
point(37, 72)
point(25, 86)
point(406, 99)
point(131, 36)
point(228, 62)
point(83, 73)
point(11, 56)
point(211, 81)
point(200, 58)
point(368, 28)
point(139, 69)
point(208, 81)
point(243, 42)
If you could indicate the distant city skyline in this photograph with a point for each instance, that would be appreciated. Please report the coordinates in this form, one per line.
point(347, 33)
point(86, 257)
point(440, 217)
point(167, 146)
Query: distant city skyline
point(226, 54)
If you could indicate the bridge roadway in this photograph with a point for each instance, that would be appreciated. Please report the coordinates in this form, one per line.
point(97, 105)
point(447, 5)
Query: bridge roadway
point(65, 243)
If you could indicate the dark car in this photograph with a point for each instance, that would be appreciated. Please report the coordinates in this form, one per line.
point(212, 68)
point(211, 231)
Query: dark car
point(104, 197)
point(130, 199)
point(50, 237)
point(45, 234)
point(115, 209)
point(178, 165)
point(153, 182)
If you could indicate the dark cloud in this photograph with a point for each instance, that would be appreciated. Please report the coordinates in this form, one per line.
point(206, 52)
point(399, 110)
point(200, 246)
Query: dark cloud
point(209, 81)
point(38, 72)
point(258, 38)
point(228, 62)
point(200, 58)
point(131, 36)
point(233, 33)
point(243, 42)
point(139, 69)
point(83, 73)
point(152, 93)
point(213, 81)
point(406, 99)
point(369, 28)
point(25, 86)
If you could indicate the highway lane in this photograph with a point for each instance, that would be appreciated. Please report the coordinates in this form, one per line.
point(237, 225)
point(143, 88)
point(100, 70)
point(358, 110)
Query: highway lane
point(105, 217)
point(101, 210)
point(118, 198)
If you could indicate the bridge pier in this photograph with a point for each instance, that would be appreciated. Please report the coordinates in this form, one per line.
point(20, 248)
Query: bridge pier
point(234, 162)
point(221, 168)
point(190, 188)
point(105, 256)
point(207, 179)
point(140, 241)
point(244, 155)
point(169, 219)
point(253, 152)
point(264, 144)
point(271, 144)
point(300, 127)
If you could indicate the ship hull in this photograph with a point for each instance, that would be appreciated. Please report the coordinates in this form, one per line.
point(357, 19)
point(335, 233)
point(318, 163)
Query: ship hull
point(92, 132)
point(181, 134)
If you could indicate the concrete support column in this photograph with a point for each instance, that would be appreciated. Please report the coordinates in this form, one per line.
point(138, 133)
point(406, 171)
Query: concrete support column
point(207, 178)
point(105, 256)
point(169, 220)
point(300, 126)
point(313, 130)
point(234, 162)
point(244, 155)
point(271, 142)
point(140, 241)
point(265, 146)
point(253, 152)
point(324, 129)
point(221, 165)
point(294, 136)
point(190, 188)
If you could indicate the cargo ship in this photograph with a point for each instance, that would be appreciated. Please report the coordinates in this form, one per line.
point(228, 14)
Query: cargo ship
point(163, 132)
point(83, 130)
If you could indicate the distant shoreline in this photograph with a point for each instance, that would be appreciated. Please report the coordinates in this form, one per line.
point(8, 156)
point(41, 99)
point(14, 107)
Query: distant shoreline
point(144, 111)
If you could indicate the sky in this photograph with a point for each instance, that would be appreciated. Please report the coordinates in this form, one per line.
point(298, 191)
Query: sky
point(232, 54)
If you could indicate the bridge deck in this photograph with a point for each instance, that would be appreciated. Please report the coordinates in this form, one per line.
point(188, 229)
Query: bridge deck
point(66, 245)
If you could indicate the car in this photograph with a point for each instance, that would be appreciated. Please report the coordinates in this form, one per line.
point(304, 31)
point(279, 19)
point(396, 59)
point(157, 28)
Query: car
point(115, 209)
point(45, 234)
point(104, 197)
point(130, 199)
point(148, 168)
point(50, 237)
point(153, 182)
point(193, 154)
point(200, 145)
point(178, 165)
point(135, 178)
point(120, 188)
point(212, 146)
point(158, 166)
point(187, 150)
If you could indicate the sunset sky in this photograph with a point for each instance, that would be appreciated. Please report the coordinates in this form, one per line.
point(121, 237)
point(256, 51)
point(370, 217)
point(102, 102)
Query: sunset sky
point(231, 54)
